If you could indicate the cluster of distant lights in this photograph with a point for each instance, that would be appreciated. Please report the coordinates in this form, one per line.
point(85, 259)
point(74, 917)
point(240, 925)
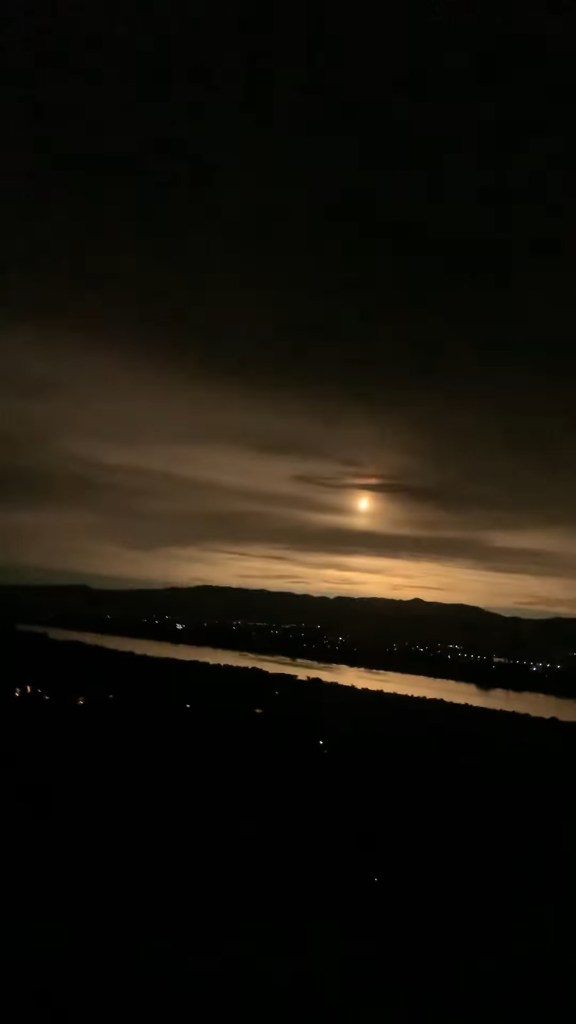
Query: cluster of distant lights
point(495, 658)
point(22, 691)
point(30, 691)
point(363, 505)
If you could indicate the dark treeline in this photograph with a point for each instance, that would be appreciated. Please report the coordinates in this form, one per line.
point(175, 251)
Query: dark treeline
point(190, 841)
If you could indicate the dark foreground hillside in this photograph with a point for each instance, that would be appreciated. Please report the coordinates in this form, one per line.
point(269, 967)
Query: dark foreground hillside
point(192, 843)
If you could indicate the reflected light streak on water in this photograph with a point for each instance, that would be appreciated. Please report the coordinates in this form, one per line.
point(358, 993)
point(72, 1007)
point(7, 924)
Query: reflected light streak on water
point(536, 704)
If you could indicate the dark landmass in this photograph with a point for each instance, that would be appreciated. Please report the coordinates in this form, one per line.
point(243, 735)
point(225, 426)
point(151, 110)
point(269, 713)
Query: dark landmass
point(438, 640)
point(192, 842)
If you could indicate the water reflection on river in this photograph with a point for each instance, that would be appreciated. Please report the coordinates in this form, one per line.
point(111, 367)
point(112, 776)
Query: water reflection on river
point(536, 704)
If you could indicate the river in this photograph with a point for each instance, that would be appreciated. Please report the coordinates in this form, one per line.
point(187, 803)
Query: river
point(536, 704)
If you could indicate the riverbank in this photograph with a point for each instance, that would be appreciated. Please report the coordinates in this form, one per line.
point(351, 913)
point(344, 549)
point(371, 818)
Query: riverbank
point(537, 705)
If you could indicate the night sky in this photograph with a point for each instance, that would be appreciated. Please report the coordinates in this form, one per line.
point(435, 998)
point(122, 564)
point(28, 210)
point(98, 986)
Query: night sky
point(259, 261)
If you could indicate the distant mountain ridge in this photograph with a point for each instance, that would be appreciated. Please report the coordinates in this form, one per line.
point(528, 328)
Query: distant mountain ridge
point(370, 620)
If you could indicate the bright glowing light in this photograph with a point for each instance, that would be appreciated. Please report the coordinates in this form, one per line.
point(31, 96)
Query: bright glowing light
point(363, 504)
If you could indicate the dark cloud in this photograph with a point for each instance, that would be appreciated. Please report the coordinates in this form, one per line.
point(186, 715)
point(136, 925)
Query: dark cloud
point(489, 498)
point(373, 484)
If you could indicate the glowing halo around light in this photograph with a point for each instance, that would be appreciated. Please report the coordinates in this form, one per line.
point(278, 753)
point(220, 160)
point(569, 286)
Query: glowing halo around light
point(363, 504)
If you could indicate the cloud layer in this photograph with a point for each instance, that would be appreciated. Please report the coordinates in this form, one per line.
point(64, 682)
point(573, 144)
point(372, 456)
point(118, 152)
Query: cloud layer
point(125, 467)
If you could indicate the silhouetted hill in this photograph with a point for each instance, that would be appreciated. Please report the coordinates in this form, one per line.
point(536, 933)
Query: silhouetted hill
point(367, 620)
